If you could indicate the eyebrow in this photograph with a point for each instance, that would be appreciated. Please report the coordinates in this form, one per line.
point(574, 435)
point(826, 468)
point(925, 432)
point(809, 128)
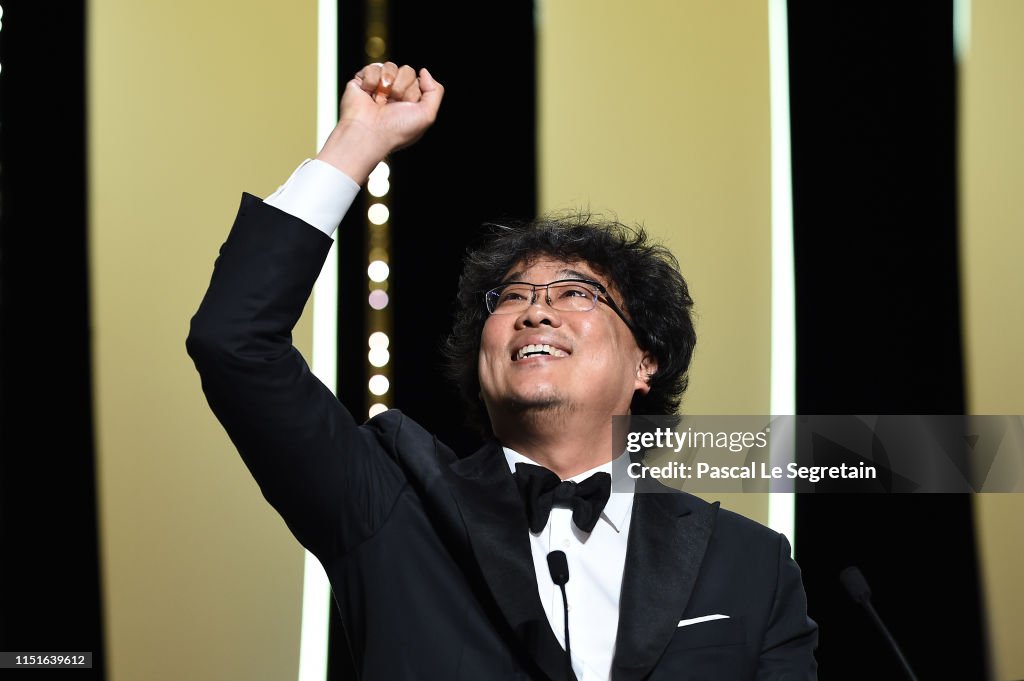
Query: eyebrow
point(578, 275)
point(567, 273)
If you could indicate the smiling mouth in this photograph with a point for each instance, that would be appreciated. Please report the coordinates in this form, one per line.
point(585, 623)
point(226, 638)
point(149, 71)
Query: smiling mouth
point(528, 351)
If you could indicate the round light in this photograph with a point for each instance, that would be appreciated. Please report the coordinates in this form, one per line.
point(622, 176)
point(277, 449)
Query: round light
point(378, 213)
point(379, 384)
point(378, 271)
point(377, 408)
point(378, 357)
point(378, 299)
point(378, 339)
point(378, 186)
point(375, 47)
point(381, 170)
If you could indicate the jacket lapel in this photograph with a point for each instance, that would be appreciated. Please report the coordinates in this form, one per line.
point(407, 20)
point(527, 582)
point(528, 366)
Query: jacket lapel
point(667, 541)
point(492, 511)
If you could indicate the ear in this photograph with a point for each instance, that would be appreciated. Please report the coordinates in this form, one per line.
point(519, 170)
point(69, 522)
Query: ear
point(647, 367)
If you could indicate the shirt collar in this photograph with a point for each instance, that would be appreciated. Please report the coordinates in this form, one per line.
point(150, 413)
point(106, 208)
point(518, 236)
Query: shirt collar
point(616, 511)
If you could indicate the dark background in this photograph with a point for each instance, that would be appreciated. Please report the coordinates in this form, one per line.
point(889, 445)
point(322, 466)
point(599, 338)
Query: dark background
point(874, 138)
point(49, 566)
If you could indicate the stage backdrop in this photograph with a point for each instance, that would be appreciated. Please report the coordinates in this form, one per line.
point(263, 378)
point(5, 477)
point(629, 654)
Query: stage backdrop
point(991, 242)
point(658, 112)
point(190, 104)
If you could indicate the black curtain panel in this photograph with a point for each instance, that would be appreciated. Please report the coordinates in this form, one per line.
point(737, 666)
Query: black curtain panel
point(49, 566)
point(874, 138)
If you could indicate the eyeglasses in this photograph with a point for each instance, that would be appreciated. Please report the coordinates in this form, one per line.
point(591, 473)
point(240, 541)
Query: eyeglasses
point(565, 295)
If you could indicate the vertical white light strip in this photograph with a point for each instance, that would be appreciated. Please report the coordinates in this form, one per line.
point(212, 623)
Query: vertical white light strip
point(316, 591)
point(783, 330)
point(961, 29)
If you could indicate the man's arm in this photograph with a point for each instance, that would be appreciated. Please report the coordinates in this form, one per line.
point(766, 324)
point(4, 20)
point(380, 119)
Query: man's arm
point(304, 449)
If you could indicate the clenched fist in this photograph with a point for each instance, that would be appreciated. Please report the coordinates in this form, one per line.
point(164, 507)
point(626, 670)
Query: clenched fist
point(384, 108)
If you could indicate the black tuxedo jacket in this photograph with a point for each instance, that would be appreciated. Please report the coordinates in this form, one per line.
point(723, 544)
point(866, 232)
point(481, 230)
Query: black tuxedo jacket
point(428, 553)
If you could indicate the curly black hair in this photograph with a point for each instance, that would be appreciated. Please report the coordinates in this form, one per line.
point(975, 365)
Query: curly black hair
point(645, 273)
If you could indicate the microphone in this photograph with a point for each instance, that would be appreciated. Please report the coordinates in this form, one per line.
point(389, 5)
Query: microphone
point(558, 566)
point(855, 585)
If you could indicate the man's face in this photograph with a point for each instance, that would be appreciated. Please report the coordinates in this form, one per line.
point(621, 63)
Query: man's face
point(594, 365)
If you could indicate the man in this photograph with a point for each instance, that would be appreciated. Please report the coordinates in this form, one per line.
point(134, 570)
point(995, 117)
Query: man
point(439, 564)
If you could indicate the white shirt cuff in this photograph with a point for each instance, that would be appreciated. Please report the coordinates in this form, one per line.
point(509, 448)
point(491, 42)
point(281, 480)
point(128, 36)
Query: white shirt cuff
point(316, 193)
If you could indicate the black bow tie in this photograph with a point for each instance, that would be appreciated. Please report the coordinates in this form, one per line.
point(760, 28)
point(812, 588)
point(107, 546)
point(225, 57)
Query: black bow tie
point(541, 489)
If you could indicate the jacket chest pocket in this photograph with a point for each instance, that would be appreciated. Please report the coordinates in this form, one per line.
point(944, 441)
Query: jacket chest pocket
point(706, 650)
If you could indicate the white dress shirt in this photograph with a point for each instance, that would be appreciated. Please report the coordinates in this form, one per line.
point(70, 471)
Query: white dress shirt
point(596, 562)
point(317, 193)
point(320, 194)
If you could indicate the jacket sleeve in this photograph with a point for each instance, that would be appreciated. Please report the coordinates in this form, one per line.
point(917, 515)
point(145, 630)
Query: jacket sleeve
point(316, 466)
point(791, 638)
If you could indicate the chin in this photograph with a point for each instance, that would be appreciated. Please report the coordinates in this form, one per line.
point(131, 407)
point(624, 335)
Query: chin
point(521, 413)
point(539, 399)
point(535, 404)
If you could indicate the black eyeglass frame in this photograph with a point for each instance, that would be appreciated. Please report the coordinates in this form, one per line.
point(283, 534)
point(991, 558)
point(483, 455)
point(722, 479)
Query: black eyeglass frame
point(598, 294)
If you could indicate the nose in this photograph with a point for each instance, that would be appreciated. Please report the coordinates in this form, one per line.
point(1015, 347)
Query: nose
point(539, 311)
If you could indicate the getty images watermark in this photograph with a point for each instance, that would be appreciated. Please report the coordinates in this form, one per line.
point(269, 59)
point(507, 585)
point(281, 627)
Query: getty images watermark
point(820, 453)
point(666, 438)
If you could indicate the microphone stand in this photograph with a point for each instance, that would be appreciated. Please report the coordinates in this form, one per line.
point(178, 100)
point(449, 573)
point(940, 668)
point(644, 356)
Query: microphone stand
point(857, 586)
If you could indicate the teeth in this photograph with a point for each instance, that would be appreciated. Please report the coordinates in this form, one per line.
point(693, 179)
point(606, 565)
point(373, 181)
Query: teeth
point(529, 350)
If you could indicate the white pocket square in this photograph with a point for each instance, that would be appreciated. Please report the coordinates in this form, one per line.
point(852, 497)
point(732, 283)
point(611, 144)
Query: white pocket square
point(698, 620)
